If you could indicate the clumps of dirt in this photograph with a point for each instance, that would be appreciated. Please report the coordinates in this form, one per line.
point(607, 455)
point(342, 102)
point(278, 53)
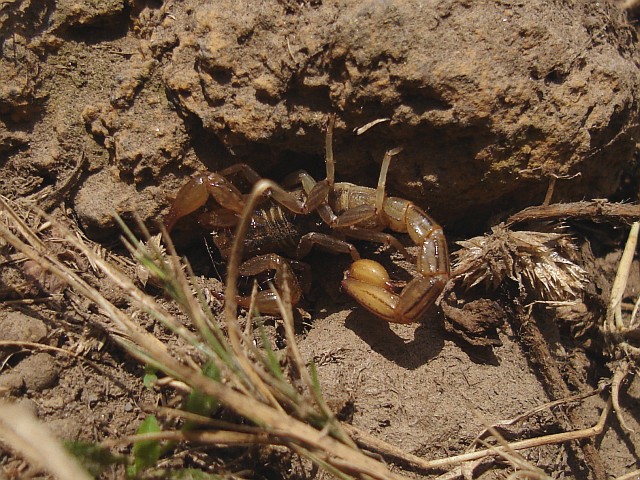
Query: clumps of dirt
point(476, 322)
point(35, 373)
point(20, 327)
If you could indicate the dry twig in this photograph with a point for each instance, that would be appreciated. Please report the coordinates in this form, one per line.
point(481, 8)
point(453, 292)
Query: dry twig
point(428, 465)
point(595, 210)
point(619, 331)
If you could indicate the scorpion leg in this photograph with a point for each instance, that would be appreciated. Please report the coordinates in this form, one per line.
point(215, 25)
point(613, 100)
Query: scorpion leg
point(324, 210)
point(285, 198)
point(376, 237)
point(249, 174)
point(318, 192)
point(326, 242)
point(195, 192)
point(299, 178)
point(265, 300)
point(366, 211)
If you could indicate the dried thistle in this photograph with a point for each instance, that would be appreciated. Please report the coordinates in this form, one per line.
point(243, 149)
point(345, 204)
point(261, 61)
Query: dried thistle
point(538, 262)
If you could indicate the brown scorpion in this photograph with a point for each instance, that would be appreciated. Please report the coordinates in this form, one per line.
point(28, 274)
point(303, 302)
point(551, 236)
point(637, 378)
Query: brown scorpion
point(325, 214)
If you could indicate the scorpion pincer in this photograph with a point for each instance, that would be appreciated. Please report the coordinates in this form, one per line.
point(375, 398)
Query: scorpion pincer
point(323, 214)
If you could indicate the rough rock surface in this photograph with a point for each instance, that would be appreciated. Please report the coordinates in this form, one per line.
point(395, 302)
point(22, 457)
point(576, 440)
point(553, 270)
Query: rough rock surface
point(488, 100)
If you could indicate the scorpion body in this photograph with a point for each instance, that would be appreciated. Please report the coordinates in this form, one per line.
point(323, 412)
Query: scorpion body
point(272, 229)
point(324, 214)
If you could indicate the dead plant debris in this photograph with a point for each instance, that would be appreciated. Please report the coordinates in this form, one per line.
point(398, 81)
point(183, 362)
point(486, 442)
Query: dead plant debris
point(541, 265)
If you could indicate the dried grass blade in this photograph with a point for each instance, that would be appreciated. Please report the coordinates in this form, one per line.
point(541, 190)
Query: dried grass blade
point(613, 319)
point(22, 431)
point(20, 224)
point(292, 345)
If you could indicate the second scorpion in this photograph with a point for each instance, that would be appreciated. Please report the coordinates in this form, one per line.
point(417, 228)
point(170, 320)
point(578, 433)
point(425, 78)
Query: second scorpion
point(286, 226)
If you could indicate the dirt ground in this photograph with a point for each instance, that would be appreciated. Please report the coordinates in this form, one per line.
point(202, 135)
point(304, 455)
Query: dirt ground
point(109, 106)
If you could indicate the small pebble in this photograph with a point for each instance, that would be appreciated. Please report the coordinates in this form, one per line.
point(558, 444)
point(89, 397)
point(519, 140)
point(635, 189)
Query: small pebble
point(36, 372)
point(16, 326)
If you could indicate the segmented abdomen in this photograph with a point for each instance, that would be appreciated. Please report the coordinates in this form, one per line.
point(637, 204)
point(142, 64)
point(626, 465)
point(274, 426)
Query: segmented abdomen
point(272, 230)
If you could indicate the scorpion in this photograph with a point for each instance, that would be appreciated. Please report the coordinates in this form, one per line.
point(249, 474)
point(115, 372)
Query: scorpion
point(288, 221)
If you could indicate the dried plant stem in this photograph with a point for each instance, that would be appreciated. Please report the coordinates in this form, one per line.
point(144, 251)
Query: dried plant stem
point(550, 189)
point(630, 476)
point(55, 267)
point(517, 461)
point(20, 225)
point(40, 346)
point(594, 210)
point(545, 364)
point(613, 321)
point(30, 301)
point(248, 328)
point(621, 372)
point(276, 421)
point(292, 345)
point(616, 330)
point(25, 434)
point(420, 463)
point(254, 382)
point(204, 421)
point(231, 288)
point(224, 438)
point(545, 406)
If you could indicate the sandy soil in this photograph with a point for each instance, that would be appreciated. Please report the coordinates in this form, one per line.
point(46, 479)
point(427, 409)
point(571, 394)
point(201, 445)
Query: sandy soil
point(110, 106)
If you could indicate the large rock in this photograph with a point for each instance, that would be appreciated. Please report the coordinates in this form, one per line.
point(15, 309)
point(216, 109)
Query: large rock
point(488, 99)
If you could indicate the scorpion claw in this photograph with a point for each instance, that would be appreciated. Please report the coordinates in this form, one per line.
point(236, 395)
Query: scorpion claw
point(369, 284)
point(378, 301)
